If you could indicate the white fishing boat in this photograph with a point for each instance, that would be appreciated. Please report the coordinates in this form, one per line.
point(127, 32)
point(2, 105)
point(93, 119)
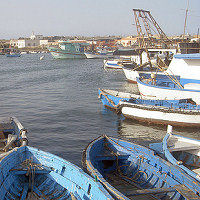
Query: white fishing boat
point(116, 63)
point(181, 80)
point(121, 56)
point(182, 112)
point(98, 54)
point(141, 66)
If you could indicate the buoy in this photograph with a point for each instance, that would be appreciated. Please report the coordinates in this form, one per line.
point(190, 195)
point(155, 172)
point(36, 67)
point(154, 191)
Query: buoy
point(41, 58)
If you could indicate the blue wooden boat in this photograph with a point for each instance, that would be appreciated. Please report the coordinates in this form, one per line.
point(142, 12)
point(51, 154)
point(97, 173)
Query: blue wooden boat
point(181, 151)
point(129, 171)
point(111, 98)
point(13, 54)
point(29, 173)
point(12, 135)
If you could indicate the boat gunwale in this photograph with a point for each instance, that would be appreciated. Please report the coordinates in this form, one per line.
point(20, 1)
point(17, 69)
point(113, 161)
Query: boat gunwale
point(40, 153)
point(150, 153)
point(173, 160)
point(95, 173)
point(163, 87)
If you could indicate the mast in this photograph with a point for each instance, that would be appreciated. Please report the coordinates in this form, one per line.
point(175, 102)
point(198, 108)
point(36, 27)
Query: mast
point(185, 23)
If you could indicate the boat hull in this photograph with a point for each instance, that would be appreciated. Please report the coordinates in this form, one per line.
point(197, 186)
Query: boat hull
point(162, 93)
point(186, 151)
point(63, 54)
point(12, 135)
point(111, 98)
point(137, 164)
point(112, 64)
point(29, 172)
point(131, 75)
point(97, 56)
point(160, 116)
point(13, 55)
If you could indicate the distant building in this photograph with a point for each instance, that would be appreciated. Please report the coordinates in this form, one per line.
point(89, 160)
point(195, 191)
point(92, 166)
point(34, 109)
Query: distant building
point(33, 41)
point(127, 41)
point(36, 37)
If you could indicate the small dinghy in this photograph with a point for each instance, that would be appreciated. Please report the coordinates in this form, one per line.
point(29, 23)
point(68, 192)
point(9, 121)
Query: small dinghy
point(183, 112)
point(181, 151)
point(29, 173)
point(12, 135)
point(111, 98)
point(130, 171)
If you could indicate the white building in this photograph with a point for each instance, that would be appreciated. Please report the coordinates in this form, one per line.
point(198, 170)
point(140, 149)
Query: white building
point(128, 41)
point(33, 41)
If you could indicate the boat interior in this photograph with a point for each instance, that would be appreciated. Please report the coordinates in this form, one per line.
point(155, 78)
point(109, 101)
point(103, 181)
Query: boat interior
point(25, 175)
point(186, 152)
point(169, 104)
point(132, 176)
point(8, 137)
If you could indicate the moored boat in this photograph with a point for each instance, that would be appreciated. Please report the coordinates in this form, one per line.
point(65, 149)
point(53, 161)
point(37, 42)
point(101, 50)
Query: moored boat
point(180, 151)
point(29, 173)
point(13, 54)
point(116, 63)
point(129, 171)
point(111, 98)
point(181, 80)
point(68, 50)
point(183, 112)
point(12, 135)
point(98, 55)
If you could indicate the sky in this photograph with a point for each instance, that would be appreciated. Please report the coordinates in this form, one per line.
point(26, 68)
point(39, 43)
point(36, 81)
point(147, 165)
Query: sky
point(92, 17)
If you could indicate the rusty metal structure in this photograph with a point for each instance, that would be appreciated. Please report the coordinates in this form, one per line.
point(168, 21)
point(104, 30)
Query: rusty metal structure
point(146, 26)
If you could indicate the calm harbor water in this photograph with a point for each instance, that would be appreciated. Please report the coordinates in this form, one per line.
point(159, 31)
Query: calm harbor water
point(57, 101)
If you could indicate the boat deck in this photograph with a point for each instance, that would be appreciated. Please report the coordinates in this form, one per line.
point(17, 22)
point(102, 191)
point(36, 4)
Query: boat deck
point(128, 188)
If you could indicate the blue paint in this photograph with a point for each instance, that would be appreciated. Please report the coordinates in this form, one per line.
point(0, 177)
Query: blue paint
point(187, 56)
point(110, 100)
point(61, 179)
point(149, 170)
point(164, 82)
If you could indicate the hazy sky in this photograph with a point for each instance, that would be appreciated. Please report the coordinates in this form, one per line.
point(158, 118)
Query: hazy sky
point(92, 17)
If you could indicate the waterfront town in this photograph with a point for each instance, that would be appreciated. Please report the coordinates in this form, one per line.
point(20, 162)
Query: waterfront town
point(39, 43)
point(108, 117)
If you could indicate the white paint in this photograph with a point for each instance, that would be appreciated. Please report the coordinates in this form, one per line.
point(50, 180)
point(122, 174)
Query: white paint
point(163, 93)
point(159, 115)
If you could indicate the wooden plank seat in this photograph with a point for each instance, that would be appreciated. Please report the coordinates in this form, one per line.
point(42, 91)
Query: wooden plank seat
point(149, 191)
point(36, 169)
point(110, 156)
point(183, 190)
point(186, 193)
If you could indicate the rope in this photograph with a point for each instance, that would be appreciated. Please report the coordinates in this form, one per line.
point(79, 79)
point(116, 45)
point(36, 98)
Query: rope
point(109, 100)
point(173, 79)
point(119, 167)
